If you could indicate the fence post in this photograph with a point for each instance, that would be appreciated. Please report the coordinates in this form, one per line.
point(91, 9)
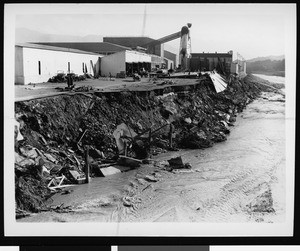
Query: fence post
point(87, 164)
point(170, 135)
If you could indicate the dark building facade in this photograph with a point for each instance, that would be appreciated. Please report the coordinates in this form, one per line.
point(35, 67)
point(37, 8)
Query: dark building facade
point(211, 61)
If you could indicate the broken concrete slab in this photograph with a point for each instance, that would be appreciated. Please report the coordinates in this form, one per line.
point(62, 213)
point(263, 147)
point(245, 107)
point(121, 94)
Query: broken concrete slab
point(128, 161)
point(18, 158)
point(54, 169)
point(18, 135)
point(123, 168)
point(150, 178)
point(29, 152)
point(22, 161)
point(177, 163)
point(79, 178)
point(110, 170)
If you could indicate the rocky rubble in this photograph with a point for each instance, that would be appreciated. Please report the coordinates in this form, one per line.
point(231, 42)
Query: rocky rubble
point(56, 130)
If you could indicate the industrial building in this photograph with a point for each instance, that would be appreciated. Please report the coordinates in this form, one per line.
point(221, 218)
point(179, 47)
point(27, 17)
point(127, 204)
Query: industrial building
point(210, 61)
point(150, 46)
point(115, 56)
point(35, 63)
point(113, 45)
point(125, 62)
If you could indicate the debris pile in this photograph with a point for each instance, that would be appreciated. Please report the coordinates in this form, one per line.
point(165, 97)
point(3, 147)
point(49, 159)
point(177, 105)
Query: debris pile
point(121, 129)
point(62, 77)
point(58, 78)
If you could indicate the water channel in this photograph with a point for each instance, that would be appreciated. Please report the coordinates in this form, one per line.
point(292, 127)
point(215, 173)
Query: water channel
point(239, 180)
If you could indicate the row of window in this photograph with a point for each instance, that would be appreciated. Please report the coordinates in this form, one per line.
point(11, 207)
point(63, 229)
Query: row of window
point(84, 70)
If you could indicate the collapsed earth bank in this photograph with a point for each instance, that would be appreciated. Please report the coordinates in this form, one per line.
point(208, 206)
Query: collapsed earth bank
point(56, 130)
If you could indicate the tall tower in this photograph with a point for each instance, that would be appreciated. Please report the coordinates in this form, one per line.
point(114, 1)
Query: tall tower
point(185, 47)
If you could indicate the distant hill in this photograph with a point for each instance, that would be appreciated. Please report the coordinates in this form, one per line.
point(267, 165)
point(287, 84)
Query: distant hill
point(24, 35)
point(267, 67)
point(281, 57)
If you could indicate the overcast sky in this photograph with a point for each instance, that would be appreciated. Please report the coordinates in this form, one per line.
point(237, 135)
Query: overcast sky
point(251, 29)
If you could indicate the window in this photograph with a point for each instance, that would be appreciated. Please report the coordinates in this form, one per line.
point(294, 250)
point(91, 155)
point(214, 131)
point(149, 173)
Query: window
point(83, 67)
point(39, 64)
point(68, 66)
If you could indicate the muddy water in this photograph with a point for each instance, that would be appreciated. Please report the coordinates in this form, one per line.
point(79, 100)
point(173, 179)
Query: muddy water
point(239, 180)
point(273, 79)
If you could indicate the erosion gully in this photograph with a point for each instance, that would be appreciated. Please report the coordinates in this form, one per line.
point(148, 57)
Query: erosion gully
point(238, 180)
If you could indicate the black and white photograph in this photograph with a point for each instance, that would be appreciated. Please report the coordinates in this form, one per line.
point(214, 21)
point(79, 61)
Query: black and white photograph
point(149, 119)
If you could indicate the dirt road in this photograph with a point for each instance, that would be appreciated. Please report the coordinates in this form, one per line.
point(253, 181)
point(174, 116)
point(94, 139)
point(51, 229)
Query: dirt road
point(239, 180)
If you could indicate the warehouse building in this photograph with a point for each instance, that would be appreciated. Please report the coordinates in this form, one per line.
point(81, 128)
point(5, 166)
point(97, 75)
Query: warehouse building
point(210, 61)
point(111, 45)
point(116, 44)
point(35, 63)
point(155, 49)
point(128, 62)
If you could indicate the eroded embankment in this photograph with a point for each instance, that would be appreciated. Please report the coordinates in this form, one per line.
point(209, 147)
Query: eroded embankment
point(56, 129)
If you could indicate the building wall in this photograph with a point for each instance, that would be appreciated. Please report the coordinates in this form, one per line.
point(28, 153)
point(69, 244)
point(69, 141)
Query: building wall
point(134, 57)
point(169, 63)
point(234, 68)
point(156, 61)
point(171, 56)
point(239, 67)
point(114, 63)
point(39, 65)
point(209, 61)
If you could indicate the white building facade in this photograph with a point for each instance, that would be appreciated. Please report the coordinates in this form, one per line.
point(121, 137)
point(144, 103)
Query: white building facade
point(129, 61)
point(37, 63)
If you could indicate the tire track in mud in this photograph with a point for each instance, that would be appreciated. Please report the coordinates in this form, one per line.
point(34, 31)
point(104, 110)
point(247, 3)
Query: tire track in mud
point(191, 197)
point(134, 207)
point(235, 196)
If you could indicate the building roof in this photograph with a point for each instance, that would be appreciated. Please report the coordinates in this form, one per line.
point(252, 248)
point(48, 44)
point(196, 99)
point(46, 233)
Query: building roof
point(96, 47)
point(131, 42)
point(170, 55)
point(137, 53)
point(54, 48)
point(211, 55)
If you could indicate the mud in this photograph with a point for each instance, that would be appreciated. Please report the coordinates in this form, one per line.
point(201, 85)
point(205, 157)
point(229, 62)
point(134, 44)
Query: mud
point(240, 180)
point(53, 126)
